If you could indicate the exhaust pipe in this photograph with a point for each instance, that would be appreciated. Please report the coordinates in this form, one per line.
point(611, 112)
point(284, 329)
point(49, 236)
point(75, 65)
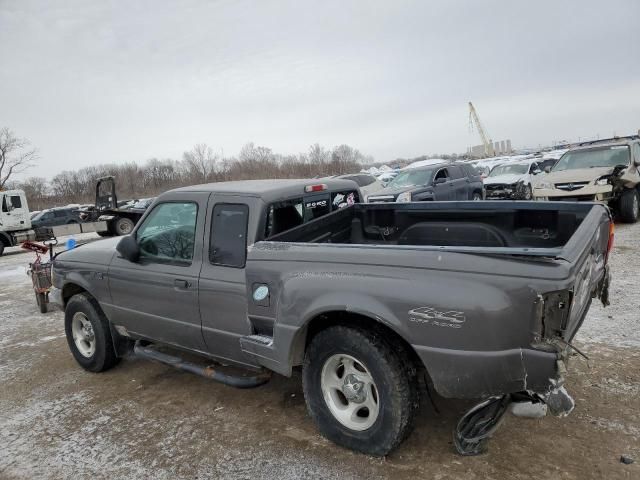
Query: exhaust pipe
point(207, 372)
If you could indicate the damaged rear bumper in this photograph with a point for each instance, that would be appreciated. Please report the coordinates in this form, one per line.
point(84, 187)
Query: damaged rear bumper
point(478, 374)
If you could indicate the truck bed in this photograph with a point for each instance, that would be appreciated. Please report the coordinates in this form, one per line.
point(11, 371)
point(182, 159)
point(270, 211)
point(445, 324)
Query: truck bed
point(516, 228)
point(474, 287)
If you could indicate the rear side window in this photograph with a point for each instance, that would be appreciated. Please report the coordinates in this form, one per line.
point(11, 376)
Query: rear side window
point(59, 213)
point(455, 172)
point(229, 235)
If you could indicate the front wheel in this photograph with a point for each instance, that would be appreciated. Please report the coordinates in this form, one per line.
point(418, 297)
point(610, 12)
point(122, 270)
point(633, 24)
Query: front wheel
point(88, 335)
point(629, 206)
point(476, 197)
point(359, 391)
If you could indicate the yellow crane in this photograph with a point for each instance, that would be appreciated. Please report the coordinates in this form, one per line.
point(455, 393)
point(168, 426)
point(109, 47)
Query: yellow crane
point(486, 141)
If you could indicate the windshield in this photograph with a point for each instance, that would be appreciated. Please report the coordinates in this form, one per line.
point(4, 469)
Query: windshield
point(409, 179)
point(602, 157)
point(516, 169)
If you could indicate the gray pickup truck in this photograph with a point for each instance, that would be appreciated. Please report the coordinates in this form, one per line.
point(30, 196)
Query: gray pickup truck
point(375, 302)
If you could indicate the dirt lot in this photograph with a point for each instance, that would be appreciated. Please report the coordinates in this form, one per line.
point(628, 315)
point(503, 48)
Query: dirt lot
point(144, 420)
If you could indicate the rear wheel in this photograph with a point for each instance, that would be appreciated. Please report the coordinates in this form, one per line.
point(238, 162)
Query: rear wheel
point(528, 194)
point(359, 391)
point(1, 247)
point(41, 300)
point(476, 197)
point(629, 206)
point(124, 226)
point(88, 335)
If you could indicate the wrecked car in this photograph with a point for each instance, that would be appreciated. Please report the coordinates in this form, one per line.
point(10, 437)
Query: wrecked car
point(477, 300)
point(606, 171)
point(512, 181)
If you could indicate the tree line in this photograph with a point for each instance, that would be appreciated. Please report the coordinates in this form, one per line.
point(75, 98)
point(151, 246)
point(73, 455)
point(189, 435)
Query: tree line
point(201, 164)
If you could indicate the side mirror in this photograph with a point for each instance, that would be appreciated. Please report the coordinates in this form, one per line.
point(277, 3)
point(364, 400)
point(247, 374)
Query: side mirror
point(547, 169)
point(128, 248)
point(439, 181)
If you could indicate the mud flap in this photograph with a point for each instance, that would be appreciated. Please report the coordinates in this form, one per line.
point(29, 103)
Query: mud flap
point(476, 427)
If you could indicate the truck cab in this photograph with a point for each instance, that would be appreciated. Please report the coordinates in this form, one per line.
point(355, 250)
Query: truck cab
point(14, 211)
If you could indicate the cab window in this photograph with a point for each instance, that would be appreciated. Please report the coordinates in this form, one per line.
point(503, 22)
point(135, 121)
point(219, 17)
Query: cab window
point(343, 199)
point(16, 202)
point(168, 233)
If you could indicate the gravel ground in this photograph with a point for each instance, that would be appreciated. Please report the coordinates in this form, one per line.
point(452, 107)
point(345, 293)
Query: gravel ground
point(145, 420)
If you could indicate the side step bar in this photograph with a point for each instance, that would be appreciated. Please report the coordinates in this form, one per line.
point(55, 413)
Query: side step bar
point(237, 381)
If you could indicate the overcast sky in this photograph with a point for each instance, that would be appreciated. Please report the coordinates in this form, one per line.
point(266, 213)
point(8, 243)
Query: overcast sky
point(98, 82)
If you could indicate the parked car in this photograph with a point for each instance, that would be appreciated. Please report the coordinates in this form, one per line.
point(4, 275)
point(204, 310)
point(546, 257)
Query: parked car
point(386, 177)
point(56, 216)
point(512, 181)
point(440, 181)
point(367, 182)
point(606, 171)
point(368, 300)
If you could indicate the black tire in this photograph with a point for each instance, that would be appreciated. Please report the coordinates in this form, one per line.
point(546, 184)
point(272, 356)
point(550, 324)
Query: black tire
point(395, 381)
point(1, 247)
point(104, 357)
point(41, 300)
point(106, 233)
point(528, 193)
point(124, 226)
point(476, 196)
point(629, 206)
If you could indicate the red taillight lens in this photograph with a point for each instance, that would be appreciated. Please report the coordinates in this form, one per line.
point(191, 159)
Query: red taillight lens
point(612, 229)
point(315, 188)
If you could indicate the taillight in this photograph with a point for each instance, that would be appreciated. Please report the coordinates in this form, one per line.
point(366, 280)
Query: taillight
point(612, 229)
point(315, 188)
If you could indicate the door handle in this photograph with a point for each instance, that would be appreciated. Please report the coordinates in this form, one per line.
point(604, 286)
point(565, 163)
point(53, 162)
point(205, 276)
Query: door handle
point(182, 284)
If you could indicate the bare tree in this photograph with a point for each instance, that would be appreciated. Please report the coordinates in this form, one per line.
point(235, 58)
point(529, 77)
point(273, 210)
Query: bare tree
point(15, 155)
point(201, 162)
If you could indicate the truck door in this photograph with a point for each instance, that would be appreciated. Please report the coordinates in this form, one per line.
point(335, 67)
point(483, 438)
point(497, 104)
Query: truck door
point(443, 186)
point(222, 288)
point(14, 212)
point(157, 297)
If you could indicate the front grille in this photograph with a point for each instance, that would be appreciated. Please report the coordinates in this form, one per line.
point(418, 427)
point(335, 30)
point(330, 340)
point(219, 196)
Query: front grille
point(571, 186)
point(496, 186)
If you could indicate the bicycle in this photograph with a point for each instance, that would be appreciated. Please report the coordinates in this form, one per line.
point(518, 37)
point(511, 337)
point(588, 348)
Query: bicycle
point(40, 272)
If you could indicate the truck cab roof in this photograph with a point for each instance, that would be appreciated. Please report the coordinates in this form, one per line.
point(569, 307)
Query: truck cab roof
point(270, 190)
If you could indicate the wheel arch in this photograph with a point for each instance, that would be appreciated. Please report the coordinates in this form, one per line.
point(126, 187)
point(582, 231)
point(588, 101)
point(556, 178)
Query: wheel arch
point(121, 345)
point(323, 320)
